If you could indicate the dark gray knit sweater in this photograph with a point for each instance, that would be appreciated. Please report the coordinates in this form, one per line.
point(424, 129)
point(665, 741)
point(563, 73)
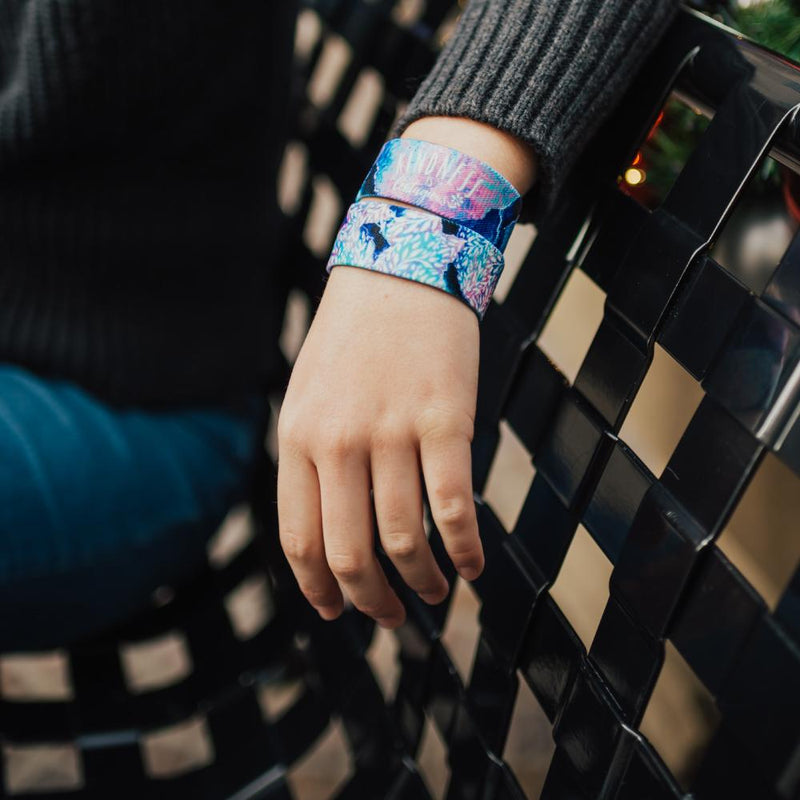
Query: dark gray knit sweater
point(547, 71)
point(139, 140)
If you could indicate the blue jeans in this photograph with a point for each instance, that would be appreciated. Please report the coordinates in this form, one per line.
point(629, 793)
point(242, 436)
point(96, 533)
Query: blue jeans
point(99, 506)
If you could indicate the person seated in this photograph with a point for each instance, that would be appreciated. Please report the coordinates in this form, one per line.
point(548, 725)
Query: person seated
point(142, 286)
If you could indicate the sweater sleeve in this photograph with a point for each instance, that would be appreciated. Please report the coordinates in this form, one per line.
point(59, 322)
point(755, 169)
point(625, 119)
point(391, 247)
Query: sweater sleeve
point(547, 71)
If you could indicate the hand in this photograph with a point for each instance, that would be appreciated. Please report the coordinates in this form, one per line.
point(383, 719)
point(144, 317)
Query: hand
point(383, 395)
point(385, 383)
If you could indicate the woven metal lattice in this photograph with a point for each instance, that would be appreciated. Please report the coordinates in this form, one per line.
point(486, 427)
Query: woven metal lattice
point(671, 585)
point(184, 701)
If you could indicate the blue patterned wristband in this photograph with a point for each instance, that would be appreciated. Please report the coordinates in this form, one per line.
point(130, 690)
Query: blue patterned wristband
point(448, 183)
point(420, 247)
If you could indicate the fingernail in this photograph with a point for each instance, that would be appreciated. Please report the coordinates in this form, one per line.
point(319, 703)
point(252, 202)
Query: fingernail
point(390, 622)
point(468, 573)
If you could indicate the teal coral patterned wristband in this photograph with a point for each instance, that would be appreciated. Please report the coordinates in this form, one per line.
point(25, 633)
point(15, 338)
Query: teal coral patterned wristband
point(448, 183)
point(421, 247)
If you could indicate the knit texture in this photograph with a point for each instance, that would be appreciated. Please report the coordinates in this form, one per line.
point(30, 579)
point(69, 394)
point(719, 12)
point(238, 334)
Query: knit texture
point(547, 71)
point(139, 144)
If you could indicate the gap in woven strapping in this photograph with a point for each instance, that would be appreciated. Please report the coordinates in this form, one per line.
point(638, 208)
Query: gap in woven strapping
point(573, 323)
point(432, 760)
point(329, 70)
point(669, 144)
point(461, 632)
point(406, 12)
point(155, 663)
point(276, 698)
point(41, 767)
point(661, 411)
point(292, 177)
point(581, 588)
point(323, 770)
point(271, 438)
point(761, 226)
point(296, 322)
point(178, 749)
point(250, 606)
point(40, 677)
point(357, 118)
point(307, 33)
point(518, 246)
point(235, 533)
point(761, 537)
point(680, 718)
point(529, 747)
point(382, 657)
point(448, 26)
point(510, 478)
point(323, 218)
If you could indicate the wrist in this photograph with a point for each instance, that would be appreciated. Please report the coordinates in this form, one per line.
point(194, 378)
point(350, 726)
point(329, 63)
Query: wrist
point(454, 189)
point(419, 246)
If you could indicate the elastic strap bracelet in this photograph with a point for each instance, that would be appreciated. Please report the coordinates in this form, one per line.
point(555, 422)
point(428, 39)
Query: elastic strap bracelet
point(420, 247)
point(448, 183)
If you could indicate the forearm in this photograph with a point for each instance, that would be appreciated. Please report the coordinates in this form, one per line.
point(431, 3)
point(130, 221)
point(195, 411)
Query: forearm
point(464, 180)
point(548, 72)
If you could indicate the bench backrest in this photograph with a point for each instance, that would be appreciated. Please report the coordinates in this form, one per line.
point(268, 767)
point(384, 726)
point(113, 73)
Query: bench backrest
point(673, 591)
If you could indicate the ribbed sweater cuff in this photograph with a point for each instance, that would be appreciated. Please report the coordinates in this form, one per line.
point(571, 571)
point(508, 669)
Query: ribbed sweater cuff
point(546, 71)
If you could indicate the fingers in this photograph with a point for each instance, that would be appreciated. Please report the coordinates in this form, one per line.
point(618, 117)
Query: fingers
point(349, 539)
point(446, 465)
point(300, 523)
point(326, 522)
point(398, 507)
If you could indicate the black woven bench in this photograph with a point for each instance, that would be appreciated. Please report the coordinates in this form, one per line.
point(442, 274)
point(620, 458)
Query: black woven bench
point(671, 588)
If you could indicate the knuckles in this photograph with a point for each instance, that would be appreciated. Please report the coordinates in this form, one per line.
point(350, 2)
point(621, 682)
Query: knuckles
point(338, 440)
point(336, 445)
point(402, 547)
point(348, 567)
point(307, 435)
point(290, 430)
point(299, 549)
point(453, 513)
point(340, 443)
point(390, 438)
point(444, 423)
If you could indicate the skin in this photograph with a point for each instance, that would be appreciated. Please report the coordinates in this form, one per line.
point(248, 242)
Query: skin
point(382, 396)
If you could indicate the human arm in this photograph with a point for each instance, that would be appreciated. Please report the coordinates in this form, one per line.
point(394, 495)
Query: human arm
point(546, 72)
point(383, 392)
point(384, 388)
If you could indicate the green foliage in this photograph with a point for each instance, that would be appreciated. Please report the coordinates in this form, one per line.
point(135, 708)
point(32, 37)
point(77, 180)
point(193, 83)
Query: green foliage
point(665, 153)
point(772, 23)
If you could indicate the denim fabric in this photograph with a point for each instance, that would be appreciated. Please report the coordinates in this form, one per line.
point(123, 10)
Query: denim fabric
point(100, 506)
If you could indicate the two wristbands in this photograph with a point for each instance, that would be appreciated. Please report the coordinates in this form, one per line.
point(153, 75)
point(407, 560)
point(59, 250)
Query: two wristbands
point(459, 250)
